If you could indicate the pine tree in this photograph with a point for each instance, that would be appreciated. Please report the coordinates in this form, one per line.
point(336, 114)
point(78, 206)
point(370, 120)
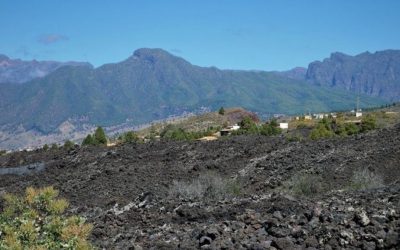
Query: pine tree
point(89, 140)
point(221, 111)
point(100, 137)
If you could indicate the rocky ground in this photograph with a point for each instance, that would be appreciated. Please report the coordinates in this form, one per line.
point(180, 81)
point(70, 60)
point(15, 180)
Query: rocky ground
point(268, 193)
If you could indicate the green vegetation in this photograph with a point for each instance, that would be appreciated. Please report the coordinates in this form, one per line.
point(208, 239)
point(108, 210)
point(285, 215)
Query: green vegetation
point(37, 221)
point(3, 152)
point(89, 140)
point(172, 132)
point(68, 144)
point(388, 105)
point(302, 125)
point(368, 122)
point(45, 147)
point(322, 130)
point(271, 128)
point(54, 146)
point(221, 111)
point(344, 129)
point(294, 137)
point(129, 137)
point(152, 133)
point(98, 138)
point(249, 127)
point(328, 127)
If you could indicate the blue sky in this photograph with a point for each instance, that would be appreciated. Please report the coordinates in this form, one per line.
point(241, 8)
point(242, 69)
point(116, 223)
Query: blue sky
point(229, 34)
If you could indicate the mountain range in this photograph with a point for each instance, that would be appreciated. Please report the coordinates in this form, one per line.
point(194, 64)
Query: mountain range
point(19, 71)
point(154, 84)
point(375, 74)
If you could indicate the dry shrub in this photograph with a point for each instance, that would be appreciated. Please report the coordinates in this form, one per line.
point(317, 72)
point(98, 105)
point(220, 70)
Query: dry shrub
point(305, 185)
point(365, 179)
point(207, 186)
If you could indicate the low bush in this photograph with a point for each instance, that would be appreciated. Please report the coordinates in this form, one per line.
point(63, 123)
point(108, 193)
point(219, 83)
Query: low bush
point(36, 221)
point(305, 185)
point(328, 127)
point(368, 122)
point(294, 137)
point(271, 128)
point(365, 179)
point(302, 125)
point(344, 129)
point(321, 131)
point(68, 144)
point(249, 127)
point(206, 187)
point(172, 132)
point(129, 137)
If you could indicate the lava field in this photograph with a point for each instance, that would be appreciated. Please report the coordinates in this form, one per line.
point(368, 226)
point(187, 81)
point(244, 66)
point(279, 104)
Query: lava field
point(127, 191)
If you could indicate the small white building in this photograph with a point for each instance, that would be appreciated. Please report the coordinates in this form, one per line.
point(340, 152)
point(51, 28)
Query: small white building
point(319, 116)
point(235, 127)
point(307, 117)
point(284, 125)
point(358, 114)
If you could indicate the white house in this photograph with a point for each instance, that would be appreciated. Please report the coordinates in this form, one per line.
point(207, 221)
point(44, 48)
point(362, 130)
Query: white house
point(235, 127)
point(319, 116)
point(284, 125)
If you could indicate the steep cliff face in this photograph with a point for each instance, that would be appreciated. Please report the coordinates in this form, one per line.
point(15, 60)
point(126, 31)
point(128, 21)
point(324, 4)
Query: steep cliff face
point(376, 74)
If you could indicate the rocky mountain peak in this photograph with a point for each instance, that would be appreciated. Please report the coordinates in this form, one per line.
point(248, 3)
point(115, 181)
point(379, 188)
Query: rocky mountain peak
point(151, 54)
point(374, 74)
point(337, 56)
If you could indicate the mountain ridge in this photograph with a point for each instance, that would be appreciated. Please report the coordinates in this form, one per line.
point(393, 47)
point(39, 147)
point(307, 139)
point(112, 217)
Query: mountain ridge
point(153, 84)
point(20, 71)
point(375, 74)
